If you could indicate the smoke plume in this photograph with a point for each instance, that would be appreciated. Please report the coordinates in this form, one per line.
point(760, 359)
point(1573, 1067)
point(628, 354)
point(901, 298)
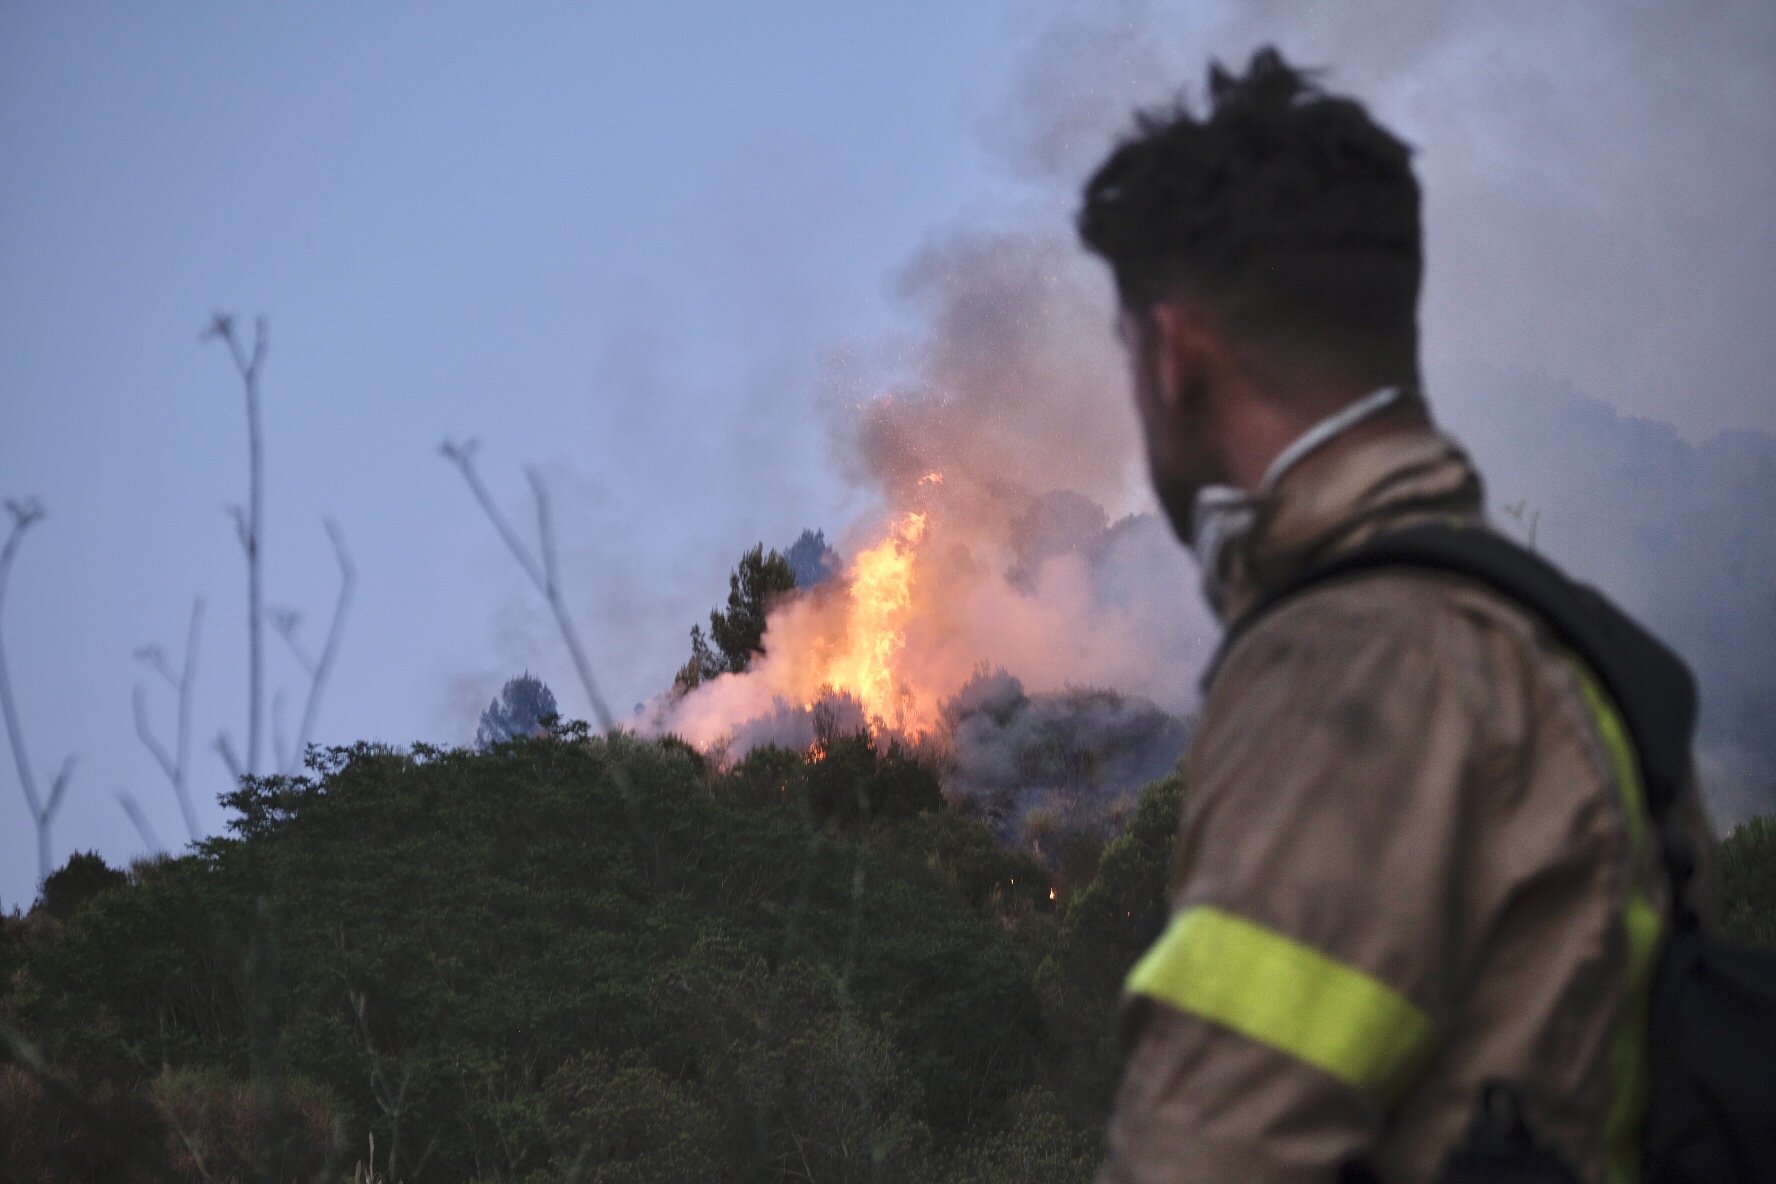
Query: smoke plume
point(1600, 267)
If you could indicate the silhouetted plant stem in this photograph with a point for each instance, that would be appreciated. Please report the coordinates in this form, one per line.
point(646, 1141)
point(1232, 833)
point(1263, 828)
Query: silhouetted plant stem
point(319, 669)
point(250, 524)
point(26, 514)
point(545, 575)
point(176, 765)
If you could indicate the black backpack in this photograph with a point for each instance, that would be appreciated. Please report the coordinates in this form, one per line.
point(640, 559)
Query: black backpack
point(1711, 1115)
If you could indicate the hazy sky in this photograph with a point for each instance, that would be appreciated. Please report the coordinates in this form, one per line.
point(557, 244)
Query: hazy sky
point(623, 243)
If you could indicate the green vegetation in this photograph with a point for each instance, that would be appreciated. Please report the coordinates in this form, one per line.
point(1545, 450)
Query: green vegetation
point(564, 958)
point(756, 584)
point(571, 958)
point(1748, 883)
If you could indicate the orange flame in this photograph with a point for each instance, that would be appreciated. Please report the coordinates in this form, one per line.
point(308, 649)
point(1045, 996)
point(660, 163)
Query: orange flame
point(881, 598)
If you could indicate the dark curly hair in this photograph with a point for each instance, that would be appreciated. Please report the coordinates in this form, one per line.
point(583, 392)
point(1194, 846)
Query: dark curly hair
point(1288, 211)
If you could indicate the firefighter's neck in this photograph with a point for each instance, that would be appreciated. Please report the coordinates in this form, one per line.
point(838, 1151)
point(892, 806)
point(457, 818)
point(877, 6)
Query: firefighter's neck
point(1258, 433)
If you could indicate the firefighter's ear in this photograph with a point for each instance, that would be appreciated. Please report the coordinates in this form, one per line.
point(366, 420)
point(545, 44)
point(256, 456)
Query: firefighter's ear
point(1188, 353)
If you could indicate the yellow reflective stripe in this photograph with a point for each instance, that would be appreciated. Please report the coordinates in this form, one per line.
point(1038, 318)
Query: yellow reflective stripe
point(1286, 995)
point(1644, 926)
point(1628, 1051)
point(1621, 754)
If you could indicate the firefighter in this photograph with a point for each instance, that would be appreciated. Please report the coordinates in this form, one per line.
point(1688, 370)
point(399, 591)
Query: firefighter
point(1412, 861)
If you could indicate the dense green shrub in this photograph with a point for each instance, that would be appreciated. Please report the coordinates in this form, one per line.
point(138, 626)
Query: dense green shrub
point(1748, 883)
point(84, 876)
point(598, 959)
point(559, 950)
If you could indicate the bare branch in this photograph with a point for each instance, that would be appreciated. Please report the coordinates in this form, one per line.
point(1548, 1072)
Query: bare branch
point(176, 765)
point(133, 808)
point(225, 749)
point(163, 758)
point(26, 513)
point(261, 340)
point(545, 529)
point(187, 681)
point(460, 451)
point(288, 623)
point(250, 524)
point(153, 657)
point(59, 786)
point(222, 326)
point(280, 748)
point(464, 457)
point(24, 516)
point(318, 673)
point(543, 575)
point(242, 532)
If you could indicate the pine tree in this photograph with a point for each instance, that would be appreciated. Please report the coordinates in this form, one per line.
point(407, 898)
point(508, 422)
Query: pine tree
point(702, 666)
point(754, 588)
point(524, 707)
point(812, 561)
point(756, 585)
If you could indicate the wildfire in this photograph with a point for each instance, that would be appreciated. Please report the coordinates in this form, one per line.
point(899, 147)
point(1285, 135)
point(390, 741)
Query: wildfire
point(881, 597)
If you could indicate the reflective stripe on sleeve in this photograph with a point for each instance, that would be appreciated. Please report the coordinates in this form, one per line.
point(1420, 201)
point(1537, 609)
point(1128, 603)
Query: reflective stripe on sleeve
point(1646, 932)
point(1274, 990)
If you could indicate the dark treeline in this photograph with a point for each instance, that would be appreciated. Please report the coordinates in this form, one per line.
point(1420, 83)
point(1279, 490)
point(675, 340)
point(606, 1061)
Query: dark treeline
point(571, 958)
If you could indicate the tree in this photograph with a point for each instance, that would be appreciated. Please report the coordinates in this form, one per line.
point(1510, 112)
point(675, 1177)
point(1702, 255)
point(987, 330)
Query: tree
point(505, 965)
point(524, 707)
point(756, 585)
point(84, 876)
point(1748, 883)
point(812, 561)
point(703, 664)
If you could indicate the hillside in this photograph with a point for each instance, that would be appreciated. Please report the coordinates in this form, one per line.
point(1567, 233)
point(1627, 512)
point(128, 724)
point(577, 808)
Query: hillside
point(596, 960)
point(570, 958)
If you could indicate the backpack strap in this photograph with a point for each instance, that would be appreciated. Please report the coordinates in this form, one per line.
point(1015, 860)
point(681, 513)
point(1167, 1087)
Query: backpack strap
point(1650, 685)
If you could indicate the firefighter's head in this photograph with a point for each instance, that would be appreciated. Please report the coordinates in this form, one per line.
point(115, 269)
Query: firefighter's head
point(1267, 258)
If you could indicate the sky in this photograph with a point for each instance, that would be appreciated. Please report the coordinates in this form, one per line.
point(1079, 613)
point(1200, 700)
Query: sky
point(631, 245)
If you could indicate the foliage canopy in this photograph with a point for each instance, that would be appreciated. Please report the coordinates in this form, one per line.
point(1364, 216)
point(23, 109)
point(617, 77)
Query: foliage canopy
point(569, 950)
point(755, 586)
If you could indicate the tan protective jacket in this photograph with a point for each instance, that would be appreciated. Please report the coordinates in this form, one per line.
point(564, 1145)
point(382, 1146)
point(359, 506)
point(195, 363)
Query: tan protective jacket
point(1412, 860)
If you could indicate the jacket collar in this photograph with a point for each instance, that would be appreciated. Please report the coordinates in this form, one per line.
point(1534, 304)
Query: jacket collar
point(1335, 502)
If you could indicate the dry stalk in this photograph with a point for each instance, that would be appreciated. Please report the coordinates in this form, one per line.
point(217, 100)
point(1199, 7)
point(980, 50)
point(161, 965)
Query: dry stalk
point(26, 514)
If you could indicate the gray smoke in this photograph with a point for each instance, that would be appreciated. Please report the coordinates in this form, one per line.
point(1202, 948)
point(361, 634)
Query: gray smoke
point(1598, 177)
point(797, 727)
point(1078, 752)
point(1599, 274)
point(1680, 534)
